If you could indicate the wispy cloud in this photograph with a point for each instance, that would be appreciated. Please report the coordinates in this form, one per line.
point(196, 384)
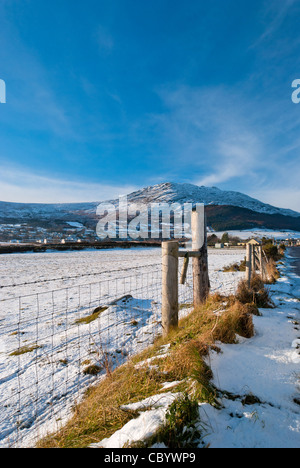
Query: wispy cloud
point(236, 129)
point(18, 185)
point(32, 97)
point(105, 40)
point(236, 159)
point(273, 13)
point(211, 130)
point(281, 197)
point(219, 136)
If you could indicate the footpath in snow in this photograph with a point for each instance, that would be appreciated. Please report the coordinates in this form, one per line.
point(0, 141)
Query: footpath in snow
point(262, 378)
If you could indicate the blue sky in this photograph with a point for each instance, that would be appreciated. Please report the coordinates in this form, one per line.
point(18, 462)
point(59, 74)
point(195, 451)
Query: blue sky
point(104, 97)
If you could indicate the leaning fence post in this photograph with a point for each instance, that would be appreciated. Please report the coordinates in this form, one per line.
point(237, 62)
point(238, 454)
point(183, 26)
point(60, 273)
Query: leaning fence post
point(200, 263)
point(169, 286)
point(261, 263)
point(249, 264)
point(185, 268)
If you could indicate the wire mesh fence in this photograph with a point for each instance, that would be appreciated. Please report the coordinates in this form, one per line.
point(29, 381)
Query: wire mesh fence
point(56, 342)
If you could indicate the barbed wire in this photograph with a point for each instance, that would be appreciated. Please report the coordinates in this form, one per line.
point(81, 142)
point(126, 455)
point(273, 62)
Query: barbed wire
point(67, 278)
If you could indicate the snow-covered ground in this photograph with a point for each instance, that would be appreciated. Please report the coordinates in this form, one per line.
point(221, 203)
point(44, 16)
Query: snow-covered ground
point(266, 367)
point(258, 379)
point(43, 298)
point(260, 233)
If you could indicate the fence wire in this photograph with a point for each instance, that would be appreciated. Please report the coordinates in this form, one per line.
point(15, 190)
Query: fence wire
point(57, 343)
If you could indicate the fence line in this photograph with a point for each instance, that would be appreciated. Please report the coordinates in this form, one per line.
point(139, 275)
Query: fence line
point(59, 342)
point(66, 278)
point(256, 259)
point(54, 344)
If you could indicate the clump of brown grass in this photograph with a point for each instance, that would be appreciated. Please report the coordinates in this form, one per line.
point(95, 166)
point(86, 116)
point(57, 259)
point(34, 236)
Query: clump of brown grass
point(92, 369)
point(272, 272)
point(24, 350)
point(237, 320)
point(92, 317)
point(235, 267)
point(256, 293)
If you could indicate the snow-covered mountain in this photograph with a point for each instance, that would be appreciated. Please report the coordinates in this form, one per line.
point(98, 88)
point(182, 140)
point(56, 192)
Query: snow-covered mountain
point(226, 210)
point(167, 192)
point(184, 193)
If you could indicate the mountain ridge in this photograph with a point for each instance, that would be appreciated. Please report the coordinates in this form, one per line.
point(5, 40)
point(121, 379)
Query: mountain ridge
point(226, 210)
point(185, 193)
point(168, 192)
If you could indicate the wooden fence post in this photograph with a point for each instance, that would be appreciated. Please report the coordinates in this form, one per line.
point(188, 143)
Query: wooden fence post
point(249, 264)
point(185, 268)
point(261, 261)
point(200, 263)
point(169, 286)
point(253, 260)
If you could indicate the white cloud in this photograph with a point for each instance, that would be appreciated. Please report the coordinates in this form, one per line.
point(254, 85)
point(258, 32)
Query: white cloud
point(104, 39)
point(227, 140)
point(283, 197)
point(274, 14)
point(212, 129)
point(24, 187)
point(236, 159)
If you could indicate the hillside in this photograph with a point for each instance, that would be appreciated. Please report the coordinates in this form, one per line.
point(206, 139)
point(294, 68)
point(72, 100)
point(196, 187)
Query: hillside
point(226, 210)
point(185, 193)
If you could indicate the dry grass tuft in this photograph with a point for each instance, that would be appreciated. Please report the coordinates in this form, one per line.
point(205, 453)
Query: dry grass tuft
point(272, 272)
point(236, 267)
point(236, 321)
point(92, 317)
point(256, 293)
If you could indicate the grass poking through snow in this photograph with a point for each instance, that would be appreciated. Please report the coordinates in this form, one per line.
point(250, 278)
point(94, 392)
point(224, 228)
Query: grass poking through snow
point(100, 415)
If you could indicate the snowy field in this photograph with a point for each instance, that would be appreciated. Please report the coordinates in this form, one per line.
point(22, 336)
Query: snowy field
point(47, 340)
point(259, 233)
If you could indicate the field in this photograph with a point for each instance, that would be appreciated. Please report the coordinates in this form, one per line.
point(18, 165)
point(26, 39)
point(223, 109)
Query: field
point(66, 317)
